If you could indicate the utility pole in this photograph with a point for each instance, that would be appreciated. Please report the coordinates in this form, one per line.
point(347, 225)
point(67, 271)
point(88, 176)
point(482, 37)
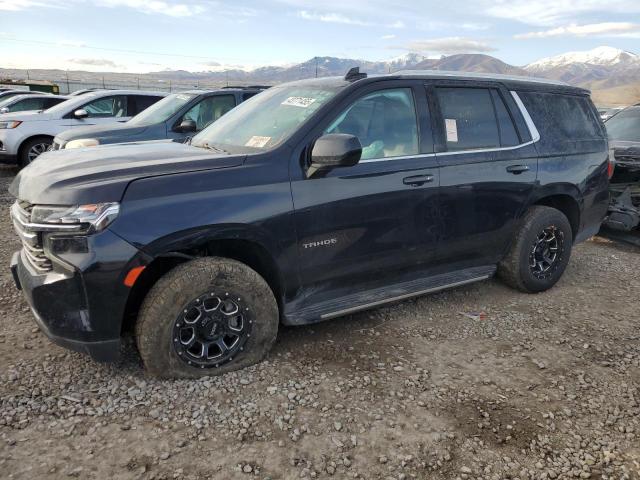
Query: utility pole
point(138, 83)
point(316, 67)
point(68, 87)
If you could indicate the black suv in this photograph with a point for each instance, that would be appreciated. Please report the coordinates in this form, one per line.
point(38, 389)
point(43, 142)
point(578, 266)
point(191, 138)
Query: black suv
point(310, 201)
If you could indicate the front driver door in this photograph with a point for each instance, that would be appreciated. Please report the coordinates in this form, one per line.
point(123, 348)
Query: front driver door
point(371, 224)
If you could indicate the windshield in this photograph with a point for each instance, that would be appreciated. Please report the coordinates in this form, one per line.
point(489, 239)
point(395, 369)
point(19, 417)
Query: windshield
point(162, 110)
point(266, 120)
point(625, 125)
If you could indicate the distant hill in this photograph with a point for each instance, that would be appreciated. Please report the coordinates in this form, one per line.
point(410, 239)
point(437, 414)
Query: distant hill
point(471, 62)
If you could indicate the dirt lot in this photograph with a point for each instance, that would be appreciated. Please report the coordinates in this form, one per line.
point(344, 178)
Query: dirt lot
point(546, 386)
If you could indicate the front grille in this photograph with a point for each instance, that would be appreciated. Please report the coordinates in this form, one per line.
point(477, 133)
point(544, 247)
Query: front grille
point(32, 248)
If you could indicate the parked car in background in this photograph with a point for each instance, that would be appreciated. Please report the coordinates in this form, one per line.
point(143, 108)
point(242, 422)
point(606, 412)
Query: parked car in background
point(25, 135)
point(623, 129)
point(85, 90)
point(23, 103)
point(4, 94)
point(310, 201)
point(608, 112)
point(176, 116)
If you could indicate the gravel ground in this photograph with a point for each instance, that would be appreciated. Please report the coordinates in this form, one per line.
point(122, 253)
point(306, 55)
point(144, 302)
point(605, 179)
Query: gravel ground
point(543, 386)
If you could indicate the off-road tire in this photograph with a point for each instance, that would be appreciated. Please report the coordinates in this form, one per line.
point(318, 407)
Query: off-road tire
point(515, 268)
point(23, 157)
point(167, 298)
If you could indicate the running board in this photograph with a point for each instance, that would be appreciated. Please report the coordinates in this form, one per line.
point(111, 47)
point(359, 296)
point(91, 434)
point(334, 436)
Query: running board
point(387, 294)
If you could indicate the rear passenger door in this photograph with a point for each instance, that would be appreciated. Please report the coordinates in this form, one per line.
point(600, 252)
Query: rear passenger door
point(488, 167)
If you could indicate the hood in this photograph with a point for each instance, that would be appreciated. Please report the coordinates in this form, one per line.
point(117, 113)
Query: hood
point(109, 133)
point(26, 116)
point(101, 174)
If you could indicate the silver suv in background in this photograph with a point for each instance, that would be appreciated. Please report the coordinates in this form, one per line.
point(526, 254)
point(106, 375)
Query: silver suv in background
point(25, 135)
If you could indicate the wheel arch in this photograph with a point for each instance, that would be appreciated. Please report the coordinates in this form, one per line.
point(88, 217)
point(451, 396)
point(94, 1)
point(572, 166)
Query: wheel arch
point(171, 252)
point(566, 201)
point(26, 140)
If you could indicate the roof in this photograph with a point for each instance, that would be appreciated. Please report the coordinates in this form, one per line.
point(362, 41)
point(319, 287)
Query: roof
point(510, 81)
point(199, 91)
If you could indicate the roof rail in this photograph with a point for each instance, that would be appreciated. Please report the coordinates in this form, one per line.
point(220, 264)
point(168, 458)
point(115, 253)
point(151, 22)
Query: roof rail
point(354, 74)
point(245, 87)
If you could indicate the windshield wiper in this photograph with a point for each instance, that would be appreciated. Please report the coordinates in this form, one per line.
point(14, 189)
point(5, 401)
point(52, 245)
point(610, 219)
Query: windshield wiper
point(208, 146)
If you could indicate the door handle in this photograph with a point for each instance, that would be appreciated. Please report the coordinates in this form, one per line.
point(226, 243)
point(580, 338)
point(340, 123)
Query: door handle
point(517, 169)
point(417, 180)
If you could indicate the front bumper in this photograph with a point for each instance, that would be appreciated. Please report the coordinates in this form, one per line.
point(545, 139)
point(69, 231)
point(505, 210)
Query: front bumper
point(81, 310)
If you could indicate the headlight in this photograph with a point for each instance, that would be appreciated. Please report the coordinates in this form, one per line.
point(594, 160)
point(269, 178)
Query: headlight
point(94, 217)
point(9, 124)
point(82, 142)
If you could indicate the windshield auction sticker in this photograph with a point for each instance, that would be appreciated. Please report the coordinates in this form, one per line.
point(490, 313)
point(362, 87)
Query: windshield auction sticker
point(302, 102)
point(257, 141)
point(452, 129)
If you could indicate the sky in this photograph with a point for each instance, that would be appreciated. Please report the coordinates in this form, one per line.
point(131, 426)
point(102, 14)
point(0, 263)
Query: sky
point(197, 35)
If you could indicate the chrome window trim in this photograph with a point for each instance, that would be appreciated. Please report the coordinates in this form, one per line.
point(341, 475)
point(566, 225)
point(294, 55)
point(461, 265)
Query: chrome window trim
point(400, 157)
point(535, 136)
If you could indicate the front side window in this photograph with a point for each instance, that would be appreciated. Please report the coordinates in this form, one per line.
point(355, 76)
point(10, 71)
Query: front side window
point(267, 120)
point(115, 106)
point(469, 118)
point(210, 109)
point(625, 125)
point(384, 122)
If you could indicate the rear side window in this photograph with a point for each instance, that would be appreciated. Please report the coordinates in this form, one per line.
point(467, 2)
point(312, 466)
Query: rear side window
point(561, 117)
point(138, 103)
point(469, 118)
point(50, 102)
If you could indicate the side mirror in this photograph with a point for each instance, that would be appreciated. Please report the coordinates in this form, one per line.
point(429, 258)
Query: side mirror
point(4, 110)
point(187, 126)
point(334, 150)
point(81, 113)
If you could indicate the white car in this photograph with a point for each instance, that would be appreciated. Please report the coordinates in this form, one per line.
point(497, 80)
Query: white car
point(25, 135)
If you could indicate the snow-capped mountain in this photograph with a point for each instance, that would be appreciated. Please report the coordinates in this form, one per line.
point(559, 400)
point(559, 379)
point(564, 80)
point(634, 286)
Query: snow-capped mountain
point(602, 67)
point(603, 56)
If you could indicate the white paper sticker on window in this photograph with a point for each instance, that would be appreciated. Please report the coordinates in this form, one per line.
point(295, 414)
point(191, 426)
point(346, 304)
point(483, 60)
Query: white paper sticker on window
point(452, 129)
point(257, 141)
point(303, 102)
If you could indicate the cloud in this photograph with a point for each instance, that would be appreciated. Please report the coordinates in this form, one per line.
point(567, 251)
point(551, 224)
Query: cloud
point(211, 64)
point(388, 37)
point(333, 17)
point(94, 62)
point(592, 29)
point(157, 7)
point(448, 46)
point(17, 5)
point(554, 12)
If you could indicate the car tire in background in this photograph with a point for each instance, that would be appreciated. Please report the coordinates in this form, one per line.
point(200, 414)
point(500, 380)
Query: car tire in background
point(32, 148)
point(540, 251)
point(207, 316)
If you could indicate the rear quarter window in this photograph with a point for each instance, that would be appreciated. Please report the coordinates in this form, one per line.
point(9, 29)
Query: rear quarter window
point(562, 118)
